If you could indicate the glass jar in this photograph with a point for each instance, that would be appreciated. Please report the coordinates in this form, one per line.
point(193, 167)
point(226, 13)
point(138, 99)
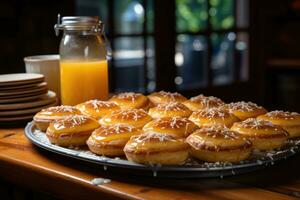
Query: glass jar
point(83, 64)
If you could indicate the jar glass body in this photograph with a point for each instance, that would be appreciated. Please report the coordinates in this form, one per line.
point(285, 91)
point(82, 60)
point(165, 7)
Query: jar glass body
point(83, 67)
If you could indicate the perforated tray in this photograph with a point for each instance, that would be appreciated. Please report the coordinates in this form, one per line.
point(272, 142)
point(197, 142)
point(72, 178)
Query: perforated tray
point(191, 169)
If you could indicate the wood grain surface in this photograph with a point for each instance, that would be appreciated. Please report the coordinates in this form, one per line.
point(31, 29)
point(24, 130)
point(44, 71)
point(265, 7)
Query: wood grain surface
point(24, 164)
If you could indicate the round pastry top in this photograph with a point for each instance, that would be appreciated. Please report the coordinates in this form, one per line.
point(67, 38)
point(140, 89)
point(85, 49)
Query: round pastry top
point(172, 106)
point(135, 117)
point(243, 106)
point(97, 105)
point(130, 100)
point(257, 127)
point(283, 118)
point(171, 109)
point(57, 111)
point(217, 138)
point(96, 108)
point(150, 142)
point(205, 101)
point(168, 123)
point(73, 124)
point(114, 132)
point(126, 115)
point(171, 125)
point(165, 97)
point(211, 113)
point(279, 114)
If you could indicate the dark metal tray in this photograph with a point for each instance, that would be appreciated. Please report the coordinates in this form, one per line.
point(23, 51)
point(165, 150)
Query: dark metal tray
point(191, 169)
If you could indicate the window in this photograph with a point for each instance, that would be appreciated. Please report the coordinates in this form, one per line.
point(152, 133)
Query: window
point(212, 42)
point(210, 49)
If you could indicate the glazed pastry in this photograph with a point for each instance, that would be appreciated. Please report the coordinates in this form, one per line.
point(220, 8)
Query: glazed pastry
point(155, 148)
point(165, 97)
point(43, 118)
point(110, 140)
point(96, 108)
point(172, 109)
point(181, 127)
point(244, 110)
point(212, 116)
point(263, 134)
point(130, 100)
point(289, 121)
point(218, 144)
point(201, 102)
point(71, 131)
point(135, 117)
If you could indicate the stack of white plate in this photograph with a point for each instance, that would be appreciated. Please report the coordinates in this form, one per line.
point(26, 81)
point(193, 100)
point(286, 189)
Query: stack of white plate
point(23, 95)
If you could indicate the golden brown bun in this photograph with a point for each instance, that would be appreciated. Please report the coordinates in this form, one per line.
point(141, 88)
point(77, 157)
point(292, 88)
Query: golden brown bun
point(155, 148)
point(212, 116)
point(181, 127)
point(135, 117)
point(263, 134)
point(96, 108)
point(201, 102)
point(172, 109)
point(110, 140)
point(289, 121)
point(165, 97)
point(130, 100)
point(71, 131)
point(218, 144)
point(43, 118)
point(244, 110)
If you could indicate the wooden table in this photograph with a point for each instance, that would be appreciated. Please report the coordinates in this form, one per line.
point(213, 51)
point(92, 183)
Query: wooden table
point(24, 164)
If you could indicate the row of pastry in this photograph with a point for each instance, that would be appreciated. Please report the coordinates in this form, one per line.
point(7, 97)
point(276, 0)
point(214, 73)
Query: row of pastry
point(167, 128)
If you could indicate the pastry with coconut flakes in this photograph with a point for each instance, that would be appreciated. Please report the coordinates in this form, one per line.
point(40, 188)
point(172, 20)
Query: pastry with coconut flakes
point(219, 144)
point(212, 116)
point(172, 109)
point(244, 110)
point(43, 118)
point(71, 131)
point(165, 97)
point(156, 148)
point(289, 121)
point(110, 140)
point(201, 102)
point(131, 100)
point(179, 126)
point(135, 117)
point(97, 109)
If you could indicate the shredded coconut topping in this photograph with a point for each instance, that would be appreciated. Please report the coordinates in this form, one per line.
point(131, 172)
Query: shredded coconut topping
point(219, 131)
point(173, 123)
point(210, 113)
point(115, 129)
point(128, 96)
point(70, 122)
point(244, 106)
point(172, 106)
point(172, 96)
point(64, 109)
point(253, 123)
point(134, 114)
point(152, 135)
point(96, 104)
point(282, 114)
point(207, 101)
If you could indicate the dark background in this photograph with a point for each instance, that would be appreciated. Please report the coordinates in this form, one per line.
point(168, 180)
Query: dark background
point(274, 64)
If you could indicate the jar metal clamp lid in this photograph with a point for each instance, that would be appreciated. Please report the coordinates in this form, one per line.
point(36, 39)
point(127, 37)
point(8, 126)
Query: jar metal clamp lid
point(79, 23)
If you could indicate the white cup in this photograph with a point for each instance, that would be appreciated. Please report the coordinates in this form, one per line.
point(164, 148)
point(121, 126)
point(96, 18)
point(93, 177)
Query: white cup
point(48, 65)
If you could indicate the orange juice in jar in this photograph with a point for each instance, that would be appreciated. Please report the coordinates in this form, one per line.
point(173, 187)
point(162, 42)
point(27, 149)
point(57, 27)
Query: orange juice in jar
point(83, 64)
